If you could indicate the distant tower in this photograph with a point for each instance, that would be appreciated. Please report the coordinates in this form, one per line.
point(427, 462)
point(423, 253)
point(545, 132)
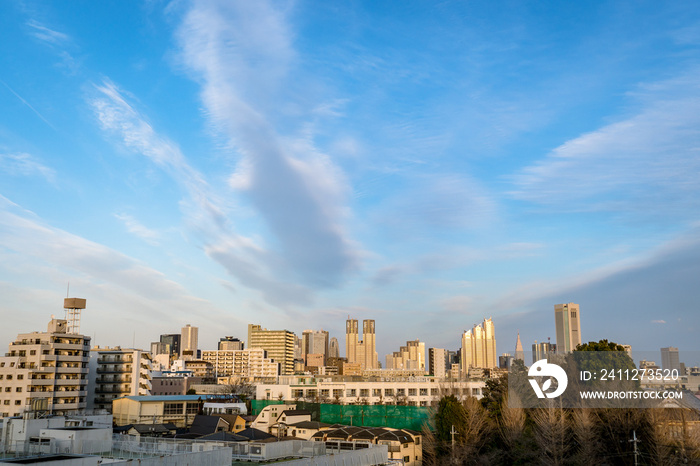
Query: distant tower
point(567, 320)
point(519, 353)
point(73, 308)
point(333, 348)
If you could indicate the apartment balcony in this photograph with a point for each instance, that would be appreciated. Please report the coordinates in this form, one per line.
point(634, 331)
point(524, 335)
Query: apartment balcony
point(108, 380)
point(113, 370)
point(69, 394)
point(111, 391)
point(68, 346)
point(41, 382)
point(71, 370)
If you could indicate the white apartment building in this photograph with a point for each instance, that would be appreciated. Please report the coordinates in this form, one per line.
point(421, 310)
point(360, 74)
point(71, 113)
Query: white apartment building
point(45, 371)
point(118, 372)
point(412, 391)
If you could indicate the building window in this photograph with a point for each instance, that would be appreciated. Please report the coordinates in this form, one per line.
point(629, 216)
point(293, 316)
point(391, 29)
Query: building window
point(32, 352)
point(412, 392)
point(19, 389)
point(423, 392)
point(172, 408)
point(18, 402)
point(6, 402)
point(351, 392)
point(406, 459)
point(20, 377)
point(400, 392)
point(376, 392)
point(388, 392)
point(192, 408)
point(364, 392)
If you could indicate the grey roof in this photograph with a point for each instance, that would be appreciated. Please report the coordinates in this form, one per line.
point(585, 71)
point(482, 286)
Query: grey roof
point(254, 434)
point(224, 436)
point(309, 425)
point(297, 412)
point(204, 425)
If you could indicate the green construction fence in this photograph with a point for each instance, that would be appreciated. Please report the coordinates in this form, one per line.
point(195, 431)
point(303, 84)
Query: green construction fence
point(396, 416)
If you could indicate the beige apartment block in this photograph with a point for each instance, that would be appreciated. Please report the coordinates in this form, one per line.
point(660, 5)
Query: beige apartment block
point(363, 352)
point(567, 320)
point(279, 345)
point(411, 356)
point(437, 365)
point(120, 372)
point(45, 371)
point(249, 364)
point(479, 347)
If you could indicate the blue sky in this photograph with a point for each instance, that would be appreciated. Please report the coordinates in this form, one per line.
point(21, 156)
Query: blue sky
point(292, 163)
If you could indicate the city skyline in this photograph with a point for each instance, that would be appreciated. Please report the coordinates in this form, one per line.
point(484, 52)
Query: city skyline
point(287, 164)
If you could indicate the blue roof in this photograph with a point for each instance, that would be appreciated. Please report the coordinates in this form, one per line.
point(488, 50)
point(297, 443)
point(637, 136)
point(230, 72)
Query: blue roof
point(167, 398)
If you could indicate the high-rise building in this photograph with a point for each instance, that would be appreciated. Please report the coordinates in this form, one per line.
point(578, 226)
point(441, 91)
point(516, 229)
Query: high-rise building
point(279, 345)
point(670, 359)
point(230, 344)
point(363, 352)
point(542, 350)
point(479, 347)
point(519, 353)
point(173, 342)
point(314, 342)
point(189, 342)
point(409, 357)
point(333, 348)
point(118, 372)
point(437, 362)
point(45, 371)
point(567, 319)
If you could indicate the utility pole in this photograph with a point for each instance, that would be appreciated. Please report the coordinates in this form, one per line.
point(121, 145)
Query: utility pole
point(635, 440)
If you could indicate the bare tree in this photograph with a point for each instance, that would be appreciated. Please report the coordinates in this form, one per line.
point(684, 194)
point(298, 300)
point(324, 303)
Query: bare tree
point(512, 423)
point(552, 434)
point(586, 436)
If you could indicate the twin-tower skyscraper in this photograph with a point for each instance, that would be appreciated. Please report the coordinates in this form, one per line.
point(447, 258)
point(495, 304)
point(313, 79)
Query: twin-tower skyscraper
point(362, 351)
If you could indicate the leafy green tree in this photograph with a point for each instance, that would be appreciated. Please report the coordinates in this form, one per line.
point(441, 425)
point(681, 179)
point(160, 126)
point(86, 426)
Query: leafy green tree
point(450, 412)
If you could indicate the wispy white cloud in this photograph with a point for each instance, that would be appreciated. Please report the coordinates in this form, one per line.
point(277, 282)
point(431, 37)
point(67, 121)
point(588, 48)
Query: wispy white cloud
point(134, 227)
point(24, 164)
point(36, 112)
point(658, 321)
point(240, 51)
point(648, 162)
point(33, 252)
point(45, 34)
point(437, 202)
point(252, 264)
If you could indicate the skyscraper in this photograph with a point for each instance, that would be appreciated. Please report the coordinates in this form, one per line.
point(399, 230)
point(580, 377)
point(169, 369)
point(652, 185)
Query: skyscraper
point(542, 350)
point(333, 348)
point(519, 353)
point(189, 342)
point(315, 342)
point(363, 351)
point(479, 347)
point(172, 340)
point(567, 321)
point(670, 359)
